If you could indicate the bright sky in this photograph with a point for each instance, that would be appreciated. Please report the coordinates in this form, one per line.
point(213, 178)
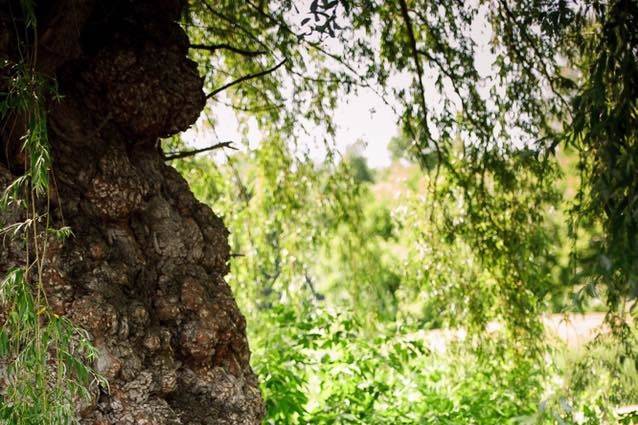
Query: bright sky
point(360, 117)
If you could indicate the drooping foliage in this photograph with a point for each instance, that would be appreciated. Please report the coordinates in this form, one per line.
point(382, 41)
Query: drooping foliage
point(496, 89)
point(349, 310)
point(45, 360)
point(604, 131)
point(492, 96)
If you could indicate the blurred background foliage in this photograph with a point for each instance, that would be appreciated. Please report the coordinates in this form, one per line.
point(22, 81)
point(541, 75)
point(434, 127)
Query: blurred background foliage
point(364, 307)
point(422, 292)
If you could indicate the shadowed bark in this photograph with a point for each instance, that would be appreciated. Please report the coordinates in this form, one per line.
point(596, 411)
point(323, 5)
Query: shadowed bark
point(144, 270)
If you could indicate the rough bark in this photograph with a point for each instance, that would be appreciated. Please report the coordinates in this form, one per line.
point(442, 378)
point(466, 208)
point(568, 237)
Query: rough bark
point(144, 270)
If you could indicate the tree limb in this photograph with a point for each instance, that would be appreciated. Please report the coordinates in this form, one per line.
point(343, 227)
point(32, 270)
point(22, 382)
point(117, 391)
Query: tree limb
point(246, 78)
point(224, 46)
point(186, 154)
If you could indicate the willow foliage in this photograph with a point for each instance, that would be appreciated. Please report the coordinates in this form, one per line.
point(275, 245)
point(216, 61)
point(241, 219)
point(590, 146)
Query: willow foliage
point(491, 119)
point(558, 74)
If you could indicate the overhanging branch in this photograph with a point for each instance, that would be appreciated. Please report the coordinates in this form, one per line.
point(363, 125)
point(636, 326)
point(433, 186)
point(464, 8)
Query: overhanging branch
point(224, 46)
point(246, 78)
point(186, 154)
point(419, 71)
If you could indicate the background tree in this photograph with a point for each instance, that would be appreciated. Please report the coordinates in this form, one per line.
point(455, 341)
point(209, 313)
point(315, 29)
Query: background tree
point(355, 158)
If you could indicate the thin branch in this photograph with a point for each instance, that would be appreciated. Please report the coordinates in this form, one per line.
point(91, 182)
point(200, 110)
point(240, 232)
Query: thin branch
point(259, 91)
point(225, 46)
point(539, 56)
point(185, 154)
point(419, 70)
point(246, 78)
point(454, 81)
point(254, 108)
point(318, 47)
point(381, 92)
point(311, 286)
point(233, 23)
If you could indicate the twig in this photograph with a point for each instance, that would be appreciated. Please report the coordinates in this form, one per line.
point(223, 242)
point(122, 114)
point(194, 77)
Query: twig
point(233, 23)
point(185, 154)
point(419, 70)
point(258, 108)
point(317, 295)
point(224, 46)
point(317, 46)
point(542, 64)
point(246, 78)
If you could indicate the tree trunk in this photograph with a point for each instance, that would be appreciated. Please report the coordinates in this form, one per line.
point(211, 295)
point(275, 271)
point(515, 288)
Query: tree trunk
point(143, 273)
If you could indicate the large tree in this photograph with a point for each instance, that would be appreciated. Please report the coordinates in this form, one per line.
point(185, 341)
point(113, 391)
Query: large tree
point(144, 270)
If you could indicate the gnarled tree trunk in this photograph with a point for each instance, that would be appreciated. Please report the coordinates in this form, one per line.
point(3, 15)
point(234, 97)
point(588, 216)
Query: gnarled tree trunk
point(144, 271)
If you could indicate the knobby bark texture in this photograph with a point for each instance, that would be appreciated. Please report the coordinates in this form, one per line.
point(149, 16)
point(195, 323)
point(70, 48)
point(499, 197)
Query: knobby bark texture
point(144, 271)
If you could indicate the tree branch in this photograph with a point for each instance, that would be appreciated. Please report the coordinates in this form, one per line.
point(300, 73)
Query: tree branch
point(317, 46)
point(224, 46)
point(246, 78)
point(233, 23)
point(539, 56)
point(419, 70)
point(185, 154)
point(454, 81)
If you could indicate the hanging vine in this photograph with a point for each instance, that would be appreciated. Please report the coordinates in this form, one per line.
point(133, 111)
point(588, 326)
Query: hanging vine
point(45, 370)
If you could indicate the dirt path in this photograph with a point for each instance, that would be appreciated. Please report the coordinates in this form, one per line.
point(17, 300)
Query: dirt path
point(572, 329)
point(575, 329)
